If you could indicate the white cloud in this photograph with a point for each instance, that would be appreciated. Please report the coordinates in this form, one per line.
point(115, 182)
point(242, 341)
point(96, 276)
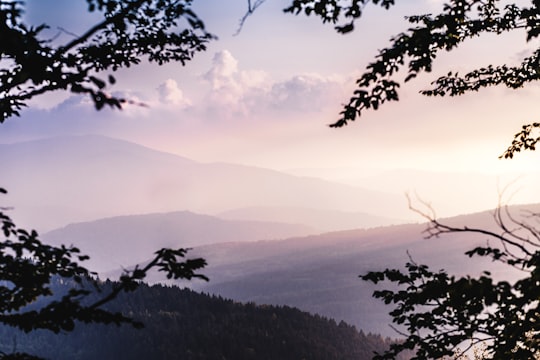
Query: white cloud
point(231, 88)
point(309, 93)
point(170, 93)
point(224, 68)
point(252, 93)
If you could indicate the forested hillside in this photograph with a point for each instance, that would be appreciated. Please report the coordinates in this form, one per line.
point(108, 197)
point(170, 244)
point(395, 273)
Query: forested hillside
point(182, 324)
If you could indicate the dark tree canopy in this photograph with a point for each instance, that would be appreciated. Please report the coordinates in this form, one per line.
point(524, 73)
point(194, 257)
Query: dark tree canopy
point(441, 314)
point(416, 49)
point(183, 324)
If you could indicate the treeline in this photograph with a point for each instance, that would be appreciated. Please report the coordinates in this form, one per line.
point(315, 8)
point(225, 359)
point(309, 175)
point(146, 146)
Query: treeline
point(182, 324)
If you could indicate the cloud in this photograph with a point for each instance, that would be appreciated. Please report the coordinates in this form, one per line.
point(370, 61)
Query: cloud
point(224, 68)
point(228, 94)
point(309, 93)
point(170, 94)
point(235, 92)
point(231, 90)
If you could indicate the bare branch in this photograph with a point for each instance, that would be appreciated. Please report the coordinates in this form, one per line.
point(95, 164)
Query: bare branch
point(436, 228)
point(250, 10)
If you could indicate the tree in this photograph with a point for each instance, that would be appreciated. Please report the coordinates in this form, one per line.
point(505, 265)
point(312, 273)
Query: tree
point(28, 268)
point(417, 48)
point(435, 311)
point(130, 31)
point(136, 29)
point(440, 312)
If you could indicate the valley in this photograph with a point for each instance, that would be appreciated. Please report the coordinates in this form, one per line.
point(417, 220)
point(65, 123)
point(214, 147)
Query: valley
point(271, 239)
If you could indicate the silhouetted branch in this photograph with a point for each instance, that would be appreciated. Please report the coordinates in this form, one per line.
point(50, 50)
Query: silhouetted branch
point(251, 7)
point(436, 227)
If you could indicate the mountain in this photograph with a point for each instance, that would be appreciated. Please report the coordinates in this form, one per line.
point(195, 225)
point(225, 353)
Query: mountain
point(316, 273)
point(319, 273)
point(323, 220)
point(181, 324)
point(125, 240)
point(56, 181)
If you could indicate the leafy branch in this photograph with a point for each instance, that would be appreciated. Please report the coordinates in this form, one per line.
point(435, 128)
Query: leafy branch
point(417, 48)
point(441, 314)
point(130, 31)
point(28, 268)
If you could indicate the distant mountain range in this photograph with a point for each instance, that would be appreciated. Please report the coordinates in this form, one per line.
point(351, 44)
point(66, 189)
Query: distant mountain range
point(125, 201)
point(323, 220)
point(124, 240)
point(319, 273)
point(450, 193)
point(316, 273)
point(57, 181)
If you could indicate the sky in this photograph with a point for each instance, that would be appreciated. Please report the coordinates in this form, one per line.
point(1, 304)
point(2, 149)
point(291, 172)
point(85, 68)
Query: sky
point(265, 96)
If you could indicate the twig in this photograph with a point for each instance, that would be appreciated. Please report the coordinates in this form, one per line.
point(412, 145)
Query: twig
point(251, 9)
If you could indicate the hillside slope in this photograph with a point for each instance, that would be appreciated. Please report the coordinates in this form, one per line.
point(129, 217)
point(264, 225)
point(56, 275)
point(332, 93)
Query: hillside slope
point(124, 240)
point(324, 220)
point(181, 324)
point(319, 273)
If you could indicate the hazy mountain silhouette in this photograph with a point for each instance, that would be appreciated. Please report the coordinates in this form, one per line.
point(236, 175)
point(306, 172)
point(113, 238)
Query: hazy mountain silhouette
point(125, 240)
point(316, 273)
point(319, 273)
point(324, 220)
point(56, 181)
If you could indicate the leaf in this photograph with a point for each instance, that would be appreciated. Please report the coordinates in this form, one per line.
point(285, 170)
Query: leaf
point(345, 29)
point(98, 82)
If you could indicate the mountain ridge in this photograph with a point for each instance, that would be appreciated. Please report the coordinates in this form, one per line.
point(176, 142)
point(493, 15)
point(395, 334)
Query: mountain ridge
point(56, 181)
point(319, 273)
point(182, 324)
point(325, 220)
point(125, 240)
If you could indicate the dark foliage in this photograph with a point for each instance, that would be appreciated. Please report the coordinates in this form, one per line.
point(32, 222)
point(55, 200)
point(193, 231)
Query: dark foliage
point(440, 313)
point(130, 31)
point(27, 299)
point(437, 311)
point(181, 324)
point(417, 48)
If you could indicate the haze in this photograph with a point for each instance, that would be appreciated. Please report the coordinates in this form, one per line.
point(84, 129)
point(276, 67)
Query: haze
point(264, 97)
